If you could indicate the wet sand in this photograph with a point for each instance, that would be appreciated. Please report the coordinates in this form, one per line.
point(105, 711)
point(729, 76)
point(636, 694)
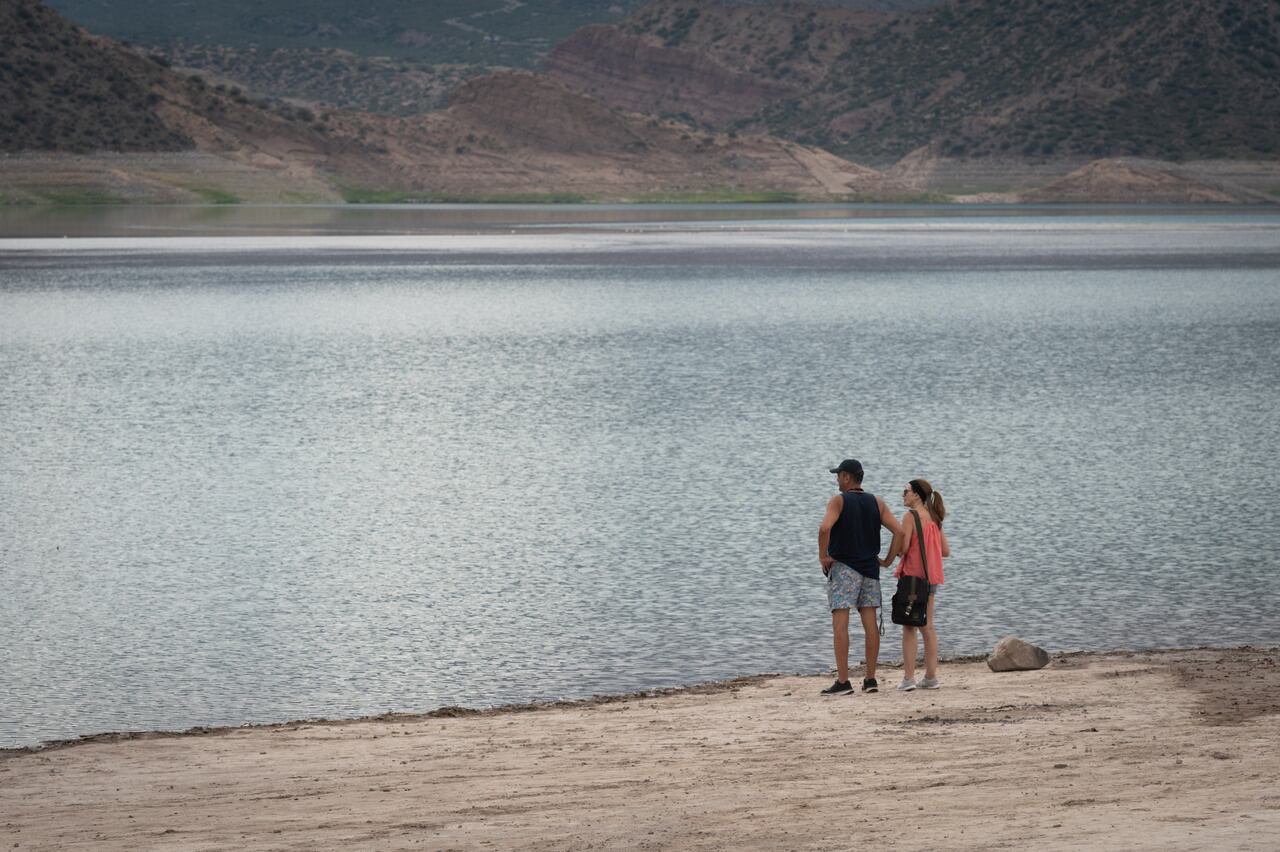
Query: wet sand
point(1162, 750)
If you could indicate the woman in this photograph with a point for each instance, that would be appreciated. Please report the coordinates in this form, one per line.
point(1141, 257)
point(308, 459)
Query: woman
point(924, 501)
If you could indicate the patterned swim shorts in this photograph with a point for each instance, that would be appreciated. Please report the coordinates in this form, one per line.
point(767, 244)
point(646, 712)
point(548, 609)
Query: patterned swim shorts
point(847, 589)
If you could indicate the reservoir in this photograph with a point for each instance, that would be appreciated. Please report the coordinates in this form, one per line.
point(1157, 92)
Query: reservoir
point(270, 463)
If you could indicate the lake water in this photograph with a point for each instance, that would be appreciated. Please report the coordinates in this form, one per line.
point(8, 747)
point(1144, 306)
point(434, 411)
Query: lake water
point(293, 468)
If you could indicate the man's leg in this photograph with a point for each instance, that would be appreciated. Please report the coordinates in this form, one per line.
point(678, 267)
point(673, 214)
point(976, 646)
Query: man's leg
point(840, 642)
point(868, 616)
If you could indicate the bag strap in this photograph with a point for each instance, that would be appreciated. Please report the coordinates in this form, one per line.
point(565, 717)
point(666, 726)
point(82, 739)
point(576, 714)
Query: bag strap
point(924, 560)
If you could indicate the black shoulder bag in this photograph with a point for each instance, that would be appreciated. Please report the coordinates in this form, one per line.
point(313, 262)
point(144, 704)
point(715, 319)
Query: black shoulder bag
point(911, 600)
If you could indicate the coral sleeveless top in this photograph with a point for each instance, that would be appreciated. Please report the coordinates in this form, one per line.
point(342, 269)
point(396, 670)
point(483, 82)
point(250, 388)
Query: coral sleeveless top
point(910, 564)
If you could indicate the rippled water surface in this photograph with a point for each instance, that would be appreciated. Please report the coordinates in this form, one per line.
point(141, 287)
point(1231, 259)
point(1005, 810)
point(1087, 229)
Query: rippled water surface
point(258, 478)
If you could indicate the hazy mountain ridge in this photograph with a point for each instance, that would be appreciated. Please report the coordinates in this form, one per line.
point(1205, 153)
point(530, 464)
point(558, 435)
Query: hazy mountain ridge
point(472, 32)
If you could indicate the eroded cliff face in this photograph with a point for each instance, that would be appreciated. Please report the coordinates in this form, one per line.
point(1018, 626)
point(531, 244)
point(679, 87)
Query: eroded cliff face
point(641, 74)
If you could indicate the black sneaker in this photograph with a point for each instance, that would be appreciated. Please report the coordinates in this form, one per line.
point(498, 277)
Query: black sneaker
point(840, 687)
point(869, 685)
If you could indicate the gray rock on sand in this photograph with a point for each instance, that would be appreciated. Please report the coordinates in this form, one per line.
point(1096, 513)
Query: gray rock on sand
point(1011, 654)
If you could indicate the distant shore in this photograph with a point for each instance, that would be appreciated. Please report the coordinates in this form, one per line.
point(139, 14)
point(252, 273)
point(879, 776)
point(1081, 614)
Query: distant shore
point(1163, 749)
point(47, 179)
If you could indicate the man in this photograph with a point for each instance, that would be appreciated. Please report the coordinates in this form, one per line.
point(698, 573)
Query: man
point(849, 551)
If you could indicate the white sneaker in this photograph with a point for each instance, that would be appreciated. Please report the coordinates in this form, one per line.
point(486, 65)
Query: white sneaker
point(929, 683)
point(907, 684)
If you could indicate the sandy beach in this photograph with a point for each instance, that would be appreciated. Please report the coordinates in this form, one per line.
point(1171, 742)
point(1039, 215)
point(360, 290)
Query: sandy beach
point(1160, 750)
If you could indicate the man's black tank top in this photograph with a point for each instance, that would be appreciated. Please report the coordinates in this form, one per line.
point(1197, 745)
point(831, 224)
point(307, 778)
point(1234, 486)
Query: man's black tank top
point(855, 538)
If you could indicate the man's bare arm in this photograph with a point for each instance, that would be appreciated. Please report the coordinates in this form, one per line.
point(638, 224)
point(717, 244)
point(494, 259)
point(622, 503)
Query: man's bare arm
point(889, 522)
point(834, 505)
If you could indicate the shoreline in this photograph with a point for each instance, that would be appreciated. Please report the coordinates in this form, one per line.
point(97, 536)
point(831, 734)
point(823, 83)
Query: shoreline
point(452, 711)
point(1159, 749)
point(46, 178)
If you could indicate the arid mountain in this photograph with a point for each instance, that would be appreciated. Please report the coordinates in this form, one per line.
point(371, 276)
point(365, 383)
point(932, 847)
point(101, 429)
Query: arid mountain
point(972, 78)
point(586, 130)
point(506, 134)
point(869, 80)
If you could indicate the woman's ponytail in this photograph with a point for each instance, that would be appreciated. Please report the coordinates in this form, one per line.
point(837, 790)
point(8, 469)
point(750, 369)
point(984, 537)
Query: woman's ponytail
point(936, 507)
point(931, 498)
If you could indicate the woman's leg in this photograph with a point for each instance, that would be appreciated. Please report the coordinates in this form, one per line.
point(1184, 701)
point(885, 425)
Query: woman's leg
point(908, 653)
point(930, 643)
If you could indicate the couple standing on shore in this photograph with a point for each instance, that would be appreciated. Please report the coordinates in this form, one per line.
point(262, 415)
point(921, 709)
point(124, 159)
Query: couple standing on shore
point(849, 551)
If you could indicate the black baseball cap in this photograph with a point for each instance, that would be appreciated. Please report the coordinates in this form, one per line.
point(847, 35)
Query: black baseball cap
point(849, 466)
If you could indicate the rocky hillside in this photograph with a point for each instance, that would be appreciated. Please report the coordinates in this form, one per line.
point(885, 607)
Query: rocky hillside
point(70, 91)
point(516, 132)
point(716, 63)
point(61, 89)
point(1199, 79)
point(972, 78)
